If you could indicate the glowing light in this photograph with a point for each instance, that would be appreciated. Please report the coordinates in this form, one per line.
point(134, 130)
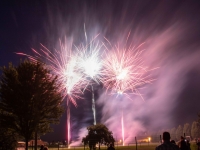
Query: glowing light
point(89, 60)
point(120, 92)
point(121, 75)
point(149, 139)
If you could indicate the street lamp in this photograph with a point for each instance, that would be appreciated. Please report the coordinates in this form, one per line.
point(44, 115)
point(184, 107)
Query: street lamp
point(149, 139)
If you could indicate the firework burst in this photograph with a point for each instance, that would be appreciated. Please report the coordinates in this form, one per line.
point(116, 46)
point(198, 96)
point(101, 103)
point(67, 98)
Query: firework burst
point(63, 64)
point(123, 70)
point(89, 60)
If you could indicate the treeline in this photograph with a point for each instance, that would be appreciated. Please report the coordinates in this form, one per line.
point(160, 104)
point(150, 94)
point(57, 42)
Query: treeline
point(191, 131)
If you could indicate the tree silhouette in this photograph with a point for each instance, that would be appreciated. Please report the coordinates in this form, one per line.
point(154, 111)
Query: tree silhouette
point(195, 130)
point(8, 138)
point(98, 134)
point(173, 133)
point(187, 129)
point(29, 99)
point(179, 132)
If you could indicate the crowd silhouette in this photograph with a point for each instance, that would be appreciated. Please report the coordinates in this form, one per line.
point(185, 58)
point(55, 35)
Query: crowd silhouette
point(168, 144)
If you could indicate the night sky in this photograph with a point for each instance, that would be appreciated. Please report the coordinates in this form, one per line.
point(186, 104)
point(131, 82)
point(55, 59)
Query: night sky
point(170, 31)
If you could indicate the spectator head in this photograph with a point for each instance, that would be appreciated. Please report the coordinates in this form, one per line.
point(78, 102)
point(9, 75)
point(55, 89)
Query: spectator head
point(172, 141)
point(166, 136)
point(45, 148)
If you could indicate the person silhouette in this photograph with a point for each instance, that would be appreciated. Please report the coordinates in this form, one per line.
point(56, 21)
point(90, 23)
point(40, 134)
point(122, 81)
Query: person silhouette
point(45, 148)
point(111, 147)
point(42, 147)
point(198, 143)
point(172, 141)
point(183, 144)
point(188, 144)
point(167, 145)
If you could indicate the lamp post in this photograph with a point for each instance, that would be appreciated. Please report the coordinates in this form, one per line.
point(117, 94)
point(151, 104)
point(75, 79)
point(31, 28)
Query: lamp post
point(149, 140)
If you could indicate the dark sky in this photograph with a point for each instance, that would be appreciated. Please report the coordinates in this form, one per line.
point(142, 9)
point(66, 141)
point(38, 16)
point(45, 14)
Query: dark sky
point(171, 33)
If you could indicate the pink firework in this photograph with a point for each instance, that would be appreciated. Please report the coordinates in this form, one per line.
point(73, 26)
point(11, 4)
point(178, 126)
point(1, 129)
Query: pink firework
point(123, 70)
point(62, 63)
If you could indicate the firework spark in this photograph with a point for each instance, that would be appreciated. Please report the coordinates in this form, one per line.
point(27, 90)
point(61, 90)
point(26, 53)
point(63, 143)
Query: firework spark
point(63, 64)
point(89, 60)
point(123, 70)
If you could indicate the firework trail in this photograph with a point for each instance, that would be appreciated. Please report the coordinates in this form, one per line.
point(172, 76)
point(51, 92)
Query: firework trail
point(63, 63)
point(90, 64)
point(122, 124)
